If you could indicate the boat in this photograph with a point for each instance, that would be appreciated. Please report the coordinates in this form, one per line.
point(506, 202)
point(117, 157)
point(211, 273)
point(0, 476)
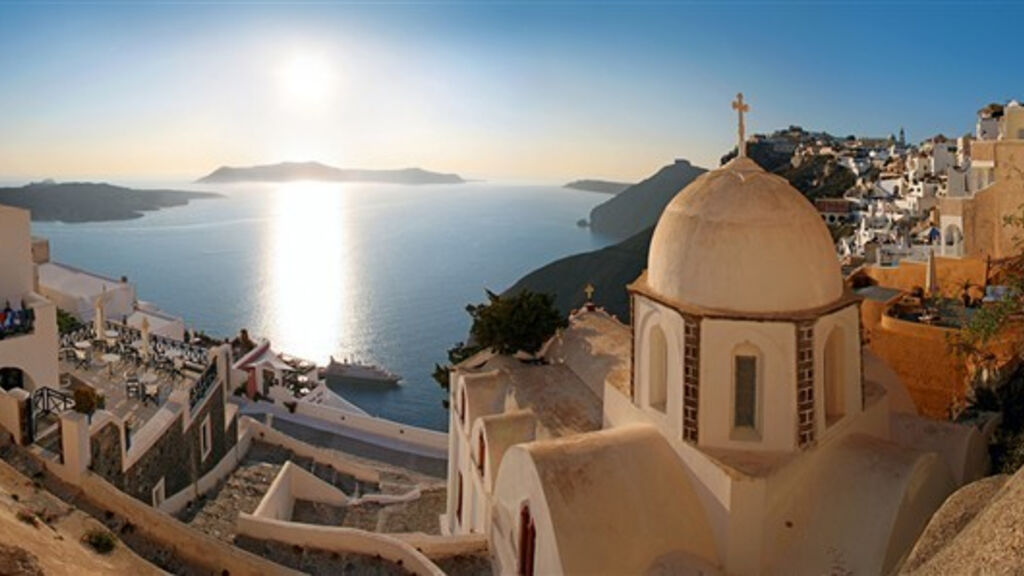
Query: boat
point(351, 372)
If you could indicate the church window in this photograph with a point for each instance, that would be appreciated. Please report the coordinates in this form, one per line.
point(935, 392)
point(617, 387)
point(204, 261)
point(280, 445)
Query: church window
point(834, 376)
point(658, 370)
point(745, 407)
point(481, 453)
point(462, 405)
point(458, 501)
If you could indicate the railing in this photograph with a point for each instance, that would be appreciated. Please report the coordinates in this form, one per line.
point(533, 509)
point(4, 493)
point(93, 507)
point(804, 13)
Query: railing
point(202, 386)
point(127, 335)
point(16, 322)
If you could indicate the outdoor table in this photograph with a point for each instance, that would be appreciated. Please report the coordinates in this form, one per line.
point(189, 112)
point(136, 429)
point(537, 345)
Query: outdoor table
point(110, 333)
point(148, 378)
point(110, 359)
point(83, 345)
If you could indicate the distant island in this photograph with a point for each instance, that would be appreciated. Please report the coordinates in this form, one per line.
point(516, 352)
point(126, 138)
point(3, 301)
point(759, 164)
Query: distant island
point(315, 171)
point(76, 202)
point(601, 186)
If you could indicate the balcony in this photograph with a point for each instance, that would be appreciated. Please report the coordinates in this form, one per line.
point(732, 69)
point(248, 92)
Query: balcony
point(16, 322)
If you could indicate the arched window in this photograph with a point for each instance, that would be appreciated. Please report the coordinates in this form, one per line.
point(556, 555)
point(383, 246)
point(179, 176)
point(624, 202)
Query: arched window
point(481, 453)
point(458, 502)
point(834, 377)
point(462, 404)
point(657, 382)
point(745, 390)
point(527, 542)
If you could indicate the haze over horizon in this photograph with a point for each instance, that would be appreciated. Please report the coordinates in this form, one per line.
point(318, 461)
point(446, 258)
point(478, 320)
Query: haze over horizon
point(503, 91)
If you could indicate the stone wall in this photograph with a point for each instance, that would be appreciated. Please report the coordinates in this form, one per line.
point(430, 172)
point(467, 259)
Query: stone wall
point(805, 425)
point(175, 457)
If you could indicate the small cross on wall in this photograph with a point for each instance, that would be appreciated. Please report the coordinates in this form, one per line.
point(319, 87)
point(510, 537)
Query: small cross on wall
point(741, 107)
point(588, 290)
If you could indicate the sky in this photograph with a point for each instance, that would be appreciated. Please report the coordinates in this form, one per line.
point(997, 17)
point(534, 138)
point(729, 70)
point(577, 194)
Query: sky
point(504, 91)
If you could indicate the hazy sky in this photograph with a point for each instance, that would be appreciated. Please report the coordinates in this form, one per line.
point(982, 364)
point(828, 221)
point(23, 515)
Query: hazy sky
point(505, 91)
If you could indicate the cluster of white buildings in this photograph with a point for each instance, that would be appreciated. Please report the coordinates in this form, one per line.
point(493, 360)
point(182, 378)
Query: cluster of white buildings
point(910, 200)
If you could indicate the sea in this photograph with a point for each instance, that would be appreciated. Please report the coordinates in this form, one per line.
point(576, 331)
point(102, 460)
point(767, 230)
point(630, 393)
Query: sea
point(374, 272)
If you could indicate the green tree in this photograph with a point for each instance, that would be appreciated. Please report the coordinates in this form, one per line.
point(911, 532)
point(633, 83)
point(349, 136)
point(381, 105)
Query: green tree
point(522, 322)
point(66, 323)
point(974, 344)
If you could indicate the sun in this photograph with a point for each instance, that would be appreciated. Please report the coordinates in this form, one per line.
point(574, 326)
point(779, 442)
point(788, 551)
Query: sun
point(306, 79)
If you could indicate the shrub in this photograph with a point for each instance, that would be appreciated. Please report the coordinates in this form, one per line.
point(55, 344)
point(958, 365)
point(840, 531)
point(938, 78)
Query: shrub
point(101, 541)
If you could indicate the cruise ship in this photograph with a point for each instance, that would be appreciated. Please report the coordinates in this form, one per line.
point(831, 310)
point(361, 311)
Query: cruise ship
point(351, 372)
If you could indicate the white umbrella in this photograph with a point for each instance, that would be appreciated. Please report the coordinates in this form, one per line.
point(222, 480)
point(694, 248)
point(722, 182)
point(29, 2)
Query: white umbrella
point(145, 338)
point(98, 322)
point(931, 281)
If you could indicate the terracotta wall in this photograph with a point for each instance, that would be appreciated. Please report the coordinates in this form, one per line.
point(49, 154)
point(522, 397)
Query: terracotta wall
point(951, 274)
point(921, 355)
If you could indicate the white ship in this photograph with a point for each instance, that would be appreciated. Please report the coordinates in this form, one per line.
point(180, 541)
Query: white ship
point(350, 372)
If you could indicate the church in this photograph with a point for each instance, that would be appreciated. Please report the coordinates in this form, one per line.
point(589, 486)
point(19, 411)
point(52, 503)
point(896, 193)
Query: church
point(738, 425)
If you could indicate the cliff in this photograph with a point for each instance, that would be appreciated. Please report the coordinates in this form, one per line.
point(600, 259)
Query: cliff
point(639, 206)
point(609, 269)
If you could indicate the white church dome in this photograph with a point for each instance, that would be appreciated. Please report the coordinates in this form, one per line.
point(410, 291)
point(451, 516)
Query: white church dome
point(743, 240)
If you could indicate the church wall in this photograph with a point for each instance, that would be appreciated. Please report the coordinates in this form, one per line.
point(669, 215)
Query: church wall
point(455, 451)
point(650, 314)
point(517, 485)
point(713, 485)
point(776, 341)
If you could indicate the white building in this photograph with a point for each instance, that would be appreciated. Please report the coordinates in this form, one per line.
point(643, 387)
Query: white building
point(737, 426)
point(76, 291)
point(28, 321)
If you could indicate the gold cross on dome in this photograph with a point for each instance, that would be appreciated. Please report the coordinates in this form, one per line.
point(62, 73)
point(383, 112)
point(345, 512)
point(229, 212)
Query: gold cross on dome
point(589, 291)
point(741, 107)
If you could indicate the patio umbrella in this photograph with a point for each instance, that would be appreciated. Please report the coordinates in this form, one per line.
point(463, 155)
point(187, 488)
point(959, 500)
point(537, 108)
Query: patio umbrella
point(144, 349)
point(931, 281)
point(99, 323)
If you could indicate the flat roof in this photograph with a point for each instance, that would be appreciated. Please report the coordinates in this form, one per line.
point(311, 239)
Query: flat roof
point(561, 401)
point(878, 293)
point(75, 281)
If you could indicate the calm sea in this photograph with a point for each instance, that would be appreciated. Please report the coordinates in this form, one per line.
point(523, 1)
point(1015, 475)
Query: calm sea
point(381, 273)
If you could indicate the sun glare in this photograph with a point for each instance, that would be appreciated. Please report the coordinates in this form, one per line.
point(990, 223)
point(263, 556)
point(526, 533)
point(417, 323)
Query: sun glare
point(307, 79)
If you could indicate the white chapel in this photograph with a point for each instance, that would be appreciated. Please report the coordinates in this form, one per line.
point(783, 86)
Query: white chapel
point(737, 426)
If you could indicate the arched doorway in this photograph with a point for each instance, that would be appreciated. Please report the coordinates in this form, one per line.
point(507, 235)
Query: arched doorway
point(527, 542)
point(657, 391)
point(952, 240)
point(11, 378)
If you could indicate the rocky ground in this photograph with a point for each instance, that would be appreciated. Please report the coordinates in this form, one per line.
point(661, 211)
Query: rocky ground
point(319, 562)
point(43, 535)
point(419, 515)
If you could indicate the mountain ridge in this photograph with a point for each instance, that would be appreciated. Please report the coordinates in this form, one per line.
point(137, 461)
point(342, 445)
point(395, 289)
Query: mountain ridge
point(317, 171)
point(77, 202)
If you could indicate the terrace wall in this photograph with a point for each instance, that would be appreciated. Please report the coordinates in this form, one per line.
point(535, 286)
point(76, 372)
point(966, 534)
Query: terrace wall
point(951, 274)
point(337, 539)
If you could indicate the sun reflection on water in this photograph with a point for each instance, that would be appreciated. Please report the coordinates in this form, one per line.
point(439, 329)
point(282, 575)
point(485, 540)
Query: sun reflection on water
point(309, 275)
